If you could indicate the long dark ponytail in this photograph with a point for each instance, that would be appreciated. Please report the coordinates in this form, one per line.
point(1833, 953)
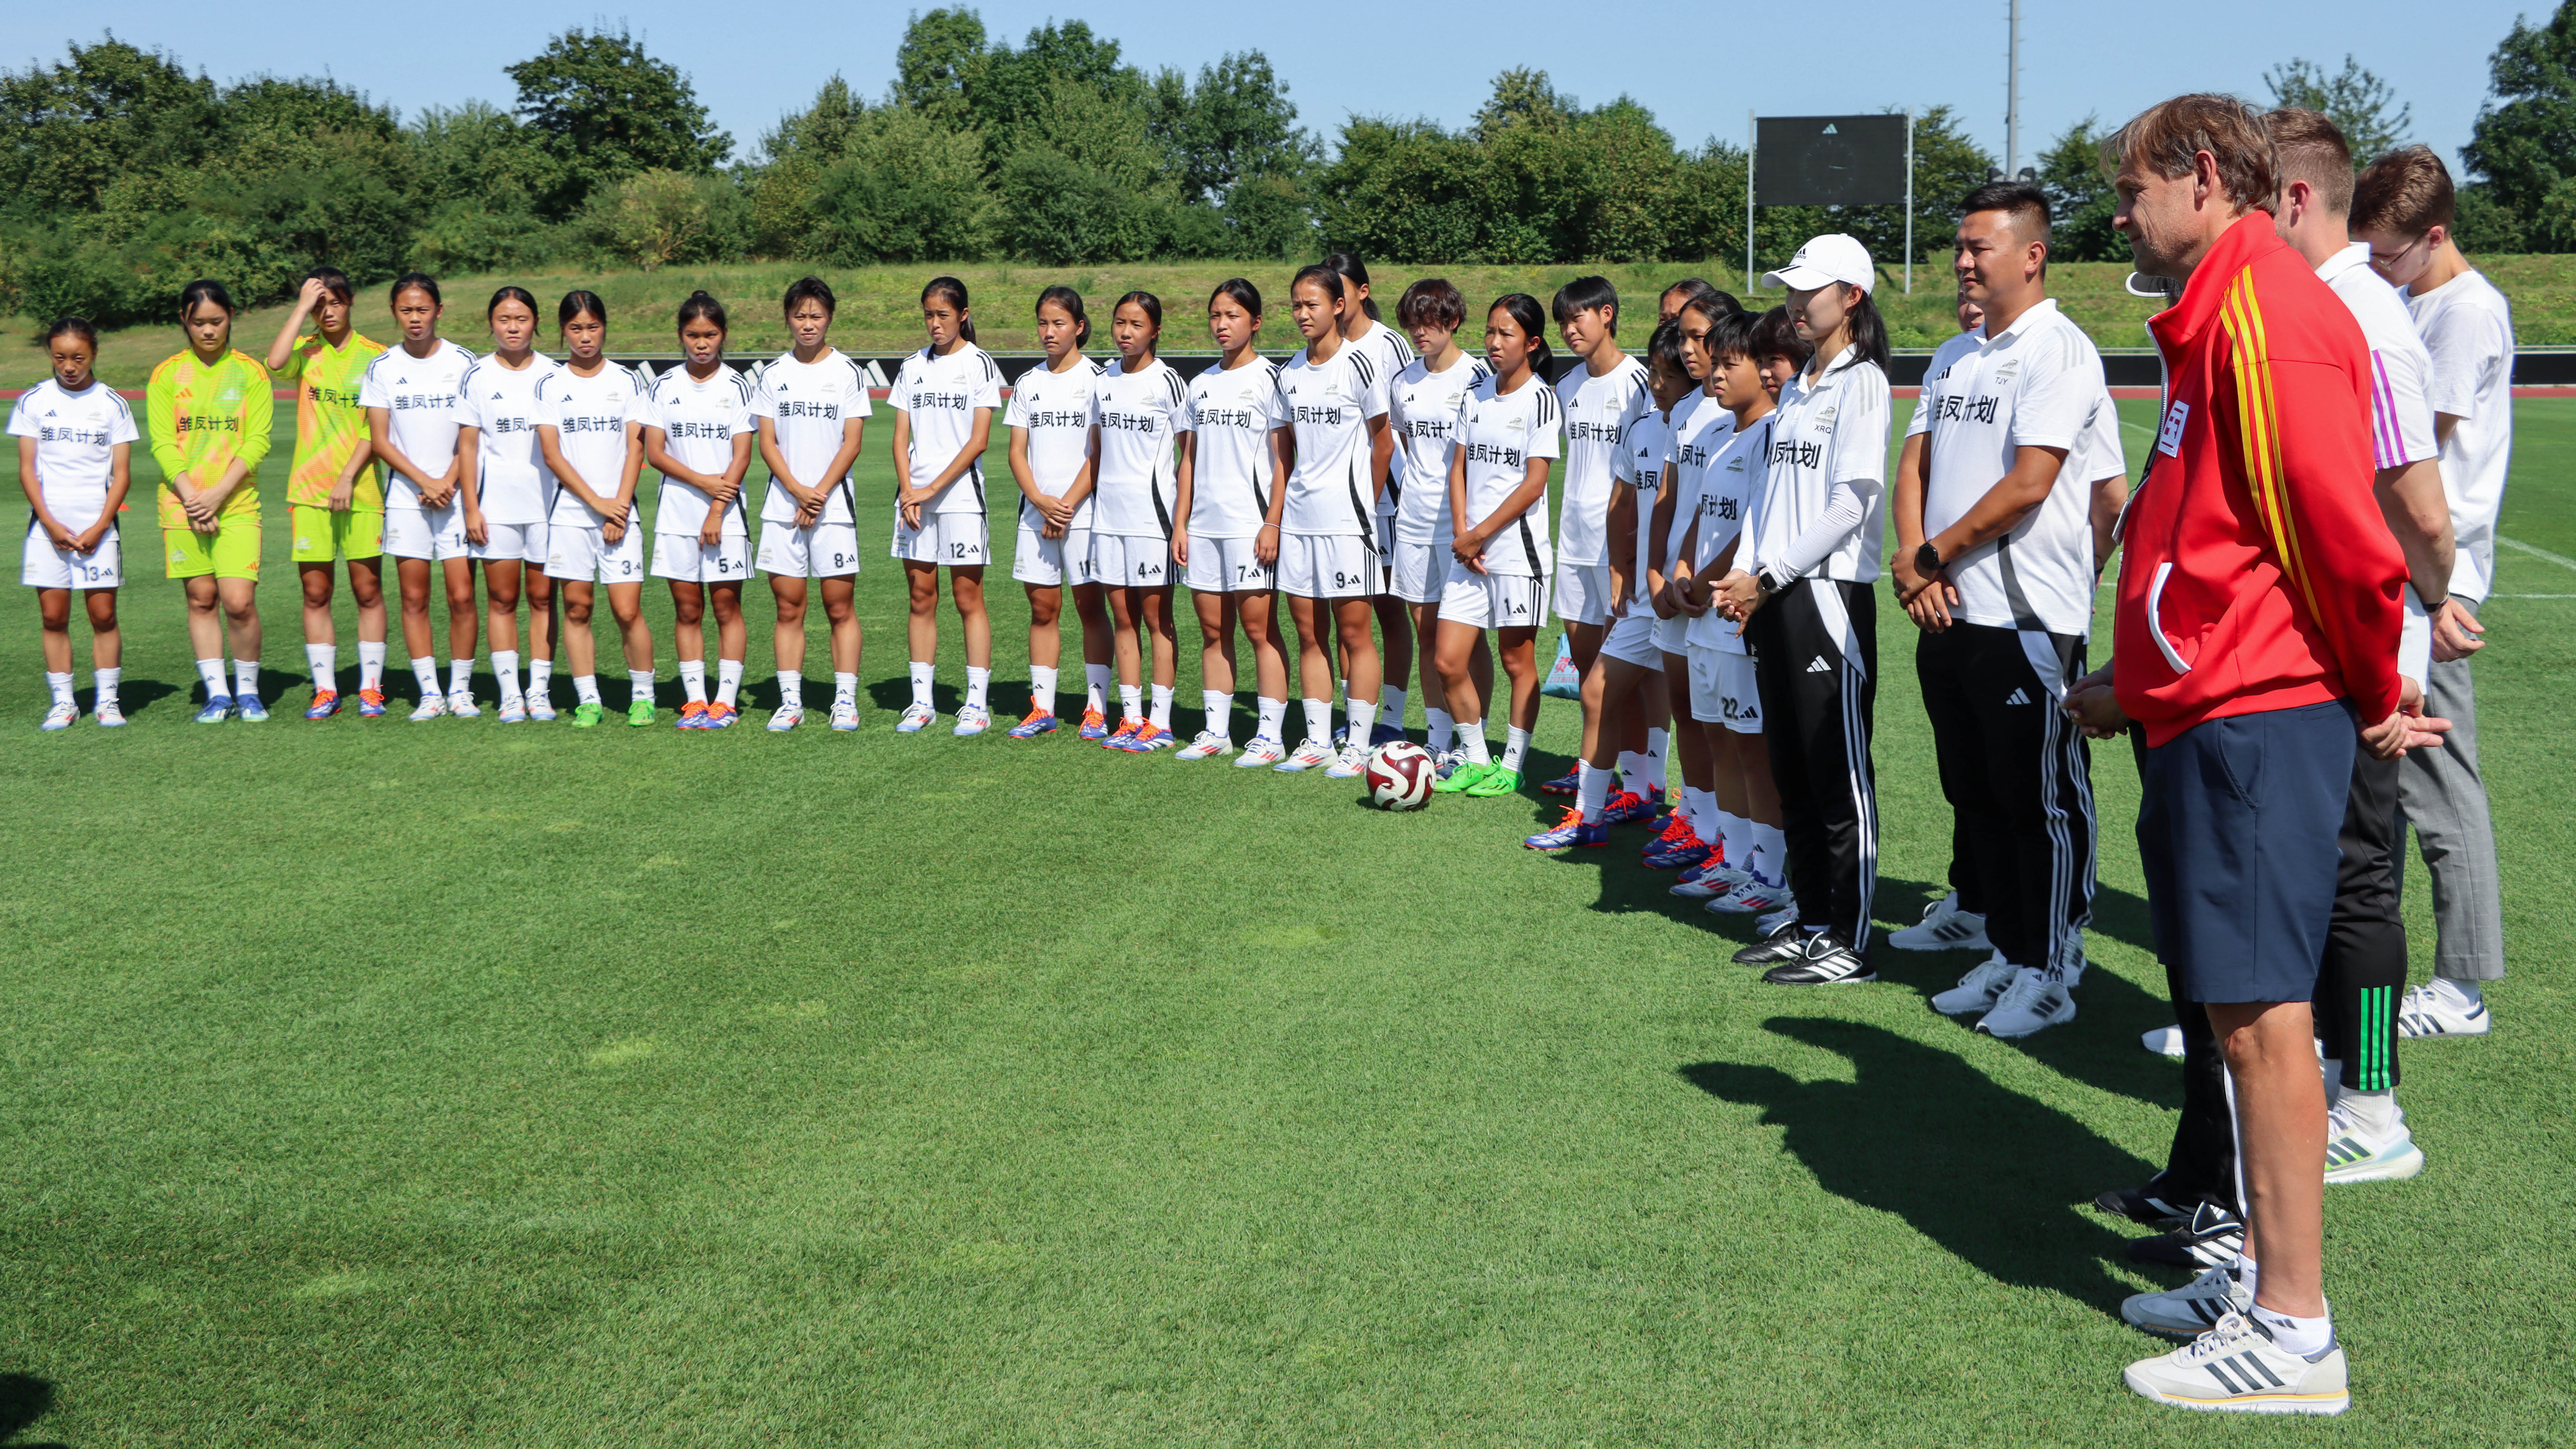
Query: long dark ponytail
point(1355, 270)
point(1071, 301)
point(1531, 319)
point(1868, 329)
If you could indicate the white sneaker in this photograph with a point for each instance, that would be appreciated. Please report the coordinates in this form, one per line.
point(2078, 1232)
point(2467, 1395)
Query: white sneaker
point(431, 706)
point(540, 708)
point(787, 717)
point(1207, 746)
point(1944, 927)
point(2164, 1041)
point(1787, 915)
point(1979, 989)
point(2034, 1002)
point(1712, 883)
point(512, 712)
point(1305, 757)
point(1350, 764)
point(2355, 1153)
point(108, 715)
point(1755, 897)
point(460, 703)
point(915, 717)
point(2194, 1308)
point(845, 715)
point(1262, 751)
point(2428, 1011)
point(59, 717)
point(2234, 1368)
point(973, 719)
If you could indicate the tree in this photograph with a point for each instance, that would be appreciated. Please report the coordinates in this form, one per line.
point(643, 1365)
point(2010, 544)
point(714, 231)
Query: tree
point(69, 131)
point(604, 110)
point(2080, 197)
point(905, 188)
point(2361, 105)
point(938, 52)
point(2526, 133)
point(1522, 97)
point(1237, 122)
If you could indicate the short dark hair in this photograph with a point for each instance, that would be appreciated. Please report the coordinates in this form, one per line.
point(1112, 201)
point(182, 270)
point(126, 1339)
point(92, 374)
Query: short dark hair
point(334, 281)
point(409, 280)
point(2025, 203)
point(1582, 295)
point(1432, 302)
point(1776, 336)
point(204, 289)
point(2314, 151)
point(72, 326)
point(2407, 192)
point(2165, 137)
point(810, 289)
point(1739, 334)
point(1665, 347)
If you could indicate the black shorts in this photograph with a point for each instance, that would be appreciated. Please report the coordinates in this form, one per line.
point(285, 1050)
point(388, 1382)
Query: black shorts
point(2238, 826)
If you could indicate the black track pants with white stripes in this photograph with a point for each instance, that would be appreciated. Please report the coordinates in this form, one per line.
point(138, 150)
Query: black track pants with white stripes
point(2364, 968)
point(2019, 779)
point(1815, 648)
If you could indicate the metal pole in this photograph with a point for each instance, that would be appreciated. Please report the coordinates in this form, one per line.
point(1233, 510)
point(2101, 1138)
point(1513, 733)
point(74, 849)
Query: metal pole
point(1752, 133)
point(1909, 203)
point(2012, 96)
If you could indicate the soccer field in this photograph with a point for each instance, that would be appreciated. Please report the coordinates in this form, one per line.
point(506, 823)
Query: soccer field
point(364, 1083)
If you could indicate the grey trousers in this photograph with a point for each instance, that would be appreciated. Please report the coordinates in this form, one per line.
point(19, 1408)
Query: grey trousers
point(2442, 794)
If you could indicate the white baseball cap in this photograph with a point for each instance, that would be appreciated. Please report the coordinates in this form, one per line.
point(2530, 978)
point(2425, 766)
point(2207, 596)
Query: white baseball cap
point(1833, 257)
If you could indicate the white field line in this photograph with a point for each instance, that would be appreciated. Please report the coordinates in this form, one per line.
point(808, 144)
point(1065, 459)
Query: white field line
point(2560, 559)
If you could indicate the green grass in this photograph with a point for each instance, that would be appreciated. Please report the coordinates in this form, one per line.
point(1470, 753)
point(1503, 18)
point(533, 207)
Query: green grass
point(371, 1084)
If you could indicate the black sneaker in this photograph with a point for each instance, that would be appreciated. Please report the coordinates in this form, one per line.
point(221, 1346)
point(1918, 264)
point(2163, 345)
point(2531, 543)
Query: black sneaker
point(1785, 944)
point(2142, 1205)
point(1826, 962)
point(2213, 1236)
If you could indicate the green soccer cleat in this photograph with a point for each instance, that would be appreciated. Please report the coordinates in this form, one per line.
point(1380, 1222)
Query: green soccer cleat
point(1456, 781)
point(640, 714)
point(586, 714)
point(1496, 781)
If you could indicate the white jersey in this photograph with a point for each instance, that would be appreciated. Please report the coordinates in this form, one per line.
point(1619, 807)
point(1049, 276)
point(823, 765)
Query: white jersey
point(1393, 354)
point(1329, 403)
point(940, 396)
point(1644, 457)
point(1689, 444)
point(1142, 415)
point(76, 434)
point(1058, 411)
point(1942, 356)
point(699, 421)
point(1422, 408)
point(511, 481)
point(590, 416)
point(2467, 326)
point(1730, 465)
point(424, 408)
point(1234, 411)
point(1598, 412)
point(1832, 430)
point(808, 405)
point(2036, 384)
point(1498, 433)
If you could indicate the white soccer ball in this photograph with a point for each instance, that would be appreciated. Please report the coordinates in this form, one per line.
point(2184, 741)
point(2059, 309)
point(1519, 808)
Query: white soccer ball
point(1399, 776)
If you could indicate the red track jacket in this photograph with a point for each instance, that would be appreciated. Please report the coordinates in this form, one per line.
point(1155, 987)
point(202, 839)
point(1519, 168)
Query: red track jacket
point(2258, 573)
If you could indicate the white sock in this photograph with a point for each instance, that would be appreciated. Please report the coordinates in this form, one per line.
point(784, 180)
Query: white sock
point(585, 688)
point(1592, 788)
point(1095, 687)
point(541, 672)
point(246, 677)
point(1656, 758)
point(1220, 712)
point(1131, 702)
point(1771, 844)
point(505, 670)
point(324, 661)
point(639, 685)
point(1161, 714)
point(107, 680)
point(371, 664)
point(425, 670)
point(61, 685)
point(693, 680)
point(2376, 1111)
point(728, 681)
point(845, 687)
point(1443, 730)
point(1473, 732)
point(1363, 718)
point(2302, 1336)
point(1273, 717)
point(1042, 686)
point(460, 675)
point(791, 689)
point(212, 672)
point(1632, 771)
point(1319, 721)
point(2462, 994)
point(1742, 845)
point(979, 683)
point(1515, 746)
point(921, 684)
point(1390, 705)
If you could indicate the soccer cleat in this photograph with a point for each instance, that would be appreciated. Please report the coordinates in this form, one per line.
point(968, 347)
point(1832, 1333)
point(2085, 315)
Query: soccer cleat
point(845, 715)
point(460, 703)
point(1095, 726)
point(2194, 1308)
point(217, 709)
point(108, 715)
point(1207, 746)
point(916, 716)
point(2032, 1003)
point(326, 703)
point(1682, 856)
point(720, 715)
point(1671, 828)
point(1350, 764)
point(1570, 831)
point(1785, 944)
point(1149, 738)
point(1123, 736)
point(431, 706)
point(2426, 1011)
point(1305, 757)
point(586, 714)
point(2212, 1236)
point(1264, 750)
point(512, 712)
point(1497, 781)
point(972, 719)
point(59, 717)
point(1708, 880)
point(1979, 990)
point(1778, 920)
point(1385, 734)
point(248, 707)
point(1753, 896)
point(2236, 1368)
point(1447, 763)
point(2354, 1153)
point(2145, 1205)
point(1569, 783)
point(786, 717)
point(541, 709)
point(1625, 807)
point(1038, 721)
point(639, 713)
point(2164, 1041)
point(693, 716)
point(1457, 781)
point(1944, 927)
point(371, 703)
point(1826, 962)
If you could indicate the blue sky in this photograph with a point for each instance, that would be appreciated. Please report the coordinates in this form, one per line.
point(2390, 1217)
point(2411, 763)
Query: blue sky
point(1699, 68)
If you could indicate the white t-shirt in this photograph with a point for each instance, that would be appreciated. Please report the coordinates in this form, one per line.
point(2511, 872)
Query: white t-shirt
point(1644, 456)
point(1330, 404)
point(1393, 353)
point(511, 481)
point(807, 404)
point(2037, 384)
point(1234, 411)
point(2468, 328)
point(940, 396)
point(1142, 414)
point(1831, 430)
point(1693, 433)
point(1597, 413)
point(1422, 409)
point(2401, 407)
point(1942, 356)
point(1736, 465)
point(1500, 432)
point(699, 421)
point(1057, 410)
point(589, 416)
point(75, 433)
point(424, 408)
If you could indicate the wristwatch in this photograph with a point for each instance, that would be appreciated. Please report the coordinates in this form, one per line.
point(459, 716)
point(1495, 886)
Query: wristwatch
point(1927, 559)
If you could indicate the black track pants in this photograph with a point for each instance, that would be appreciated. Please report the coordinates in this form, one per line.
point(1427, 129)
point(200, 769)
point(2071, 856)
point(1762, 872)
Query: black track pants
point(1815, 648)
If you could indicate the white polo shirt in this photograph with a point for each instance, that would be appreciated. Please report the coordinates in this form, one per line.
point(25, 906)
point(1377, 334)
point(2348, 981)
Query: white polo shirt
point(1830, 430)
point(2467, 326)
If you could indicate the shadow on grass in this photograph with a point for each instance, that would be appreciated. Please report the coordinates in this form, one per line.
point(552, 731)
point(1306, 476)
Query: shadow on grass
point(24, 1399)
point(1988, 1174)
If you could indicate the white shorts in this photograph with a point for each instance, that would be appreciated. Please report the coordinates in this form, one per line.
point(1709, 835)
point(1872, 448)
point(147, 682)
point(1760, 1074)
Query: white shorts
point(1227, 566)
point(1723, 691)
point(1327, 566)
point(525, 542)
point(48, 567)
point(1583, 592)
point(816, 551)
point(1421, 571)
point(426, 533)
point(581, 554)
point(1632, 639)
point(956, 540)
point(1672, 635)
point(1384, 538)
point(1131, 561)
point(682, 556)
point(1493, 601)
point(1037, 559)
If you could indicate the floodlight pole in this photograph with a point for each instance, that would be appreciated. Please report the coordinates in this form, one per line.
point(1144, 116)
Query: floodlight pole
point(1752, 134)
point(2012, 95)
point(1909, 203)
